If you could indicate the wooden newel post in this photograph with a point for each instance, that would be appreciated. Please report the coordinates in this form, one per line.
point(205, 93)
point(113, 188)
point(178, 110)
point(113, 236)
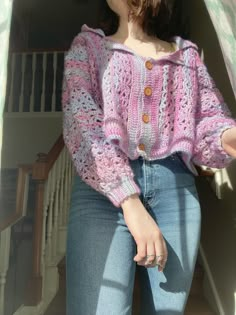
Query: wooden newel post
point(39, 174)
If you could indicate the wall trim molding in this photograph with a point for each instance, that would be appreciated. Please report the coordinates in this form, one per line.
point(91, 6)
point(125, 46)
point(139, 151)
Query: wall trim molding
point(212, 284)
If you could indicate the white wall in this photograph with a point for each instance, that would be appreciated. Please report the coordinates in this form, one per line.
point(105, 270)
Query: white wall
point(24, 138)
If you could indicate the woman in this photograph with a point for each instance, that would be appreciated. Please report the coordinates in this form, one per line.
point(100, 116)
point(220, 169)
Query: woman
point(140, 109)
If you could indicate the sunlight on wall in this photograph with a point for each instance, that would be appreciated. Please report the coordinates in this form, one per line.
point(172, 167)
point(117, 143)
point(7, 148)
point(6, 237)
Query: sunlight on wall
point(222, 13)
point(220, 181)
point(234, 303)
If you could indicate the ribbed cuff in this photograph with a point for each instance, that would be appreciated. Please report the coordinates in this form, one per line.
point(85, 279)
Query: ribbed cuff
point(219, 148)
point(127, 188)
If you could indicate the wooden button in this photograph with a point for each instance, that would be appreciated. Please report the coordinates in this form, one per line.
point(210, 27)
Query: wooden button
point(148, 91)
point(146, 118)
point(141, 147)
point(149, 65)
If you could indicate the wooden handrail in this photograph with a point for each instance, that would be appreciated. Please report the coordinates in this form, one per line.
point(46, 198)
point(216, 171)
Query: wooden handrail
point(55, 152)
point(44, 163)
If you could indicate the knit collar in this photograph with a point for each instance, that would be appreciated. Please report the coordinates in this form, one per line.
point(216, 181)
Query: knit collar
point(86, 28)
point(181, 43)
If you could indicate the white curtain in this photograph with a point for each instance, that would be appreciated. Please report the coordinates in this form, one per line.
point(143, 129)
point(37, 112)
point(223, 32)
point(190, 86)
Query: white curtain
point(223, 15)
point(5, 22)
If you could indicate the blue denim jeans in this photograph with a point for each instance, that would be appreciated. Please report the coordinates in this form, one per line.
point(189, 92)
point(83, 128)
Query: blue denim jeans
point(100, 248)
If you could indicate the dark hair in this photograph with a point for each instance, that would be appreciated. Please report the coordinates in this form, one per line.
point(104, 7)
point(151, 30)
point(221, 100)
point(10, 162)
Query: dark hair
point(157, 18)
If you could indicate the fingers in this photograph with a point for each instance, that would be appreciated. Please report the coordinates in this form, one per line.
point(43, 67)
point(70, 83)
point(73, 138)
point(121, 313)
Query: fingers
point(152, 254)
point(141, 252)
point(145, 254)
point(161, 262)
point(162, 254)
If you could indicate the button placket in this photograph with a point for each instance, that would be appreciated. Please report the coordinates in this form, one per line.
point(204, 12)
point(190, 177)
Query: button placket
point(145, 116)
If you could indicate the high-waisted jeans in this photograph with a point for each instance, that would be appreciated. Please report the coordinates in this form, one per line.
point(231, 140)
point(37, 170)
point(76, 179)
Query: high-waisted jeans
point(100, 248)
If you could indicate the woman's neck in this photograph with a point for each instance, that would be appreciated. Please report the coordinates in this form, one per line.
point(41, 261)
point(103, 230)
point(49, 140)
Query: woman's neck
point(132, 35)
point(129, 30)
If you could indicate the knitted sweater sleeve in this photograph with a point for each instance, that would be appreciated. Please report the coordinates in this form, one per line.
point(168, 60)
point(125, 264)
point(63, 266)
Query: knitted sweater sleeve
point(101, 164)
point(212, 119)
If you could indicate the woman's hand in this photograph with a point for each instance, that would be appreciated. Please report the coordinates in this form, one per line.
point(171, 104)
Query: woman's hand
point(151, 246)
point(228, 140)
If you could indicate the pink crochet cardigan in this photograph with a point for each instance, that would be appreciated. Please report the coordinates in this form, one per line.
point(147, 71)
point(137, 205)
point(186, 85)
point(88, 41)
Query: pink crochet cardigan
point(118, 106)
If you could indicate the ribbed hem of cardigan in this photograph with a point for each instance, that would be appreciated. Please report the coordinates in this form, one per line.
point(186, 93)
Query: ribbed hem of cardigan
point(127, 188)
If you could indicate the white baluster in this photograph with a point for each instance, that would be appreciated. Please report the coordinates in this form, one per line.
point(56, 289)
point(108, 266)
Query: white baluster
point(44, 233)
point(4, 264)
point(56, 209)
point(34, 56)
point(49, 231)
point(54, 82)
point(44, 67)
point(62, 189)
point(66, 189)
point(71, 172)
point(11, 95)
point(45, 213)
point(23, 66)
point(43, 255)
point(67, 193)
point(69, 184)
point(50, 216)
point(61, 244)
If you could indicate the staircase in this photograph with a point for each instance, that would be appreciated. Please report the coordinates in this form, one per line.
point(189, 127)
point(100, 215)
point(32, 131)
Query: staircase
point(34, 200)
point(197, 304)
point(18, 269)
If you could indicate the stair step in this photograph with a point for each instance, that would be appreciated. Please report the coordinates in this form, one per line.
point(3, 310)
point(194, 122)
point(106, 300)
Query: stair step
point(197, 305)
